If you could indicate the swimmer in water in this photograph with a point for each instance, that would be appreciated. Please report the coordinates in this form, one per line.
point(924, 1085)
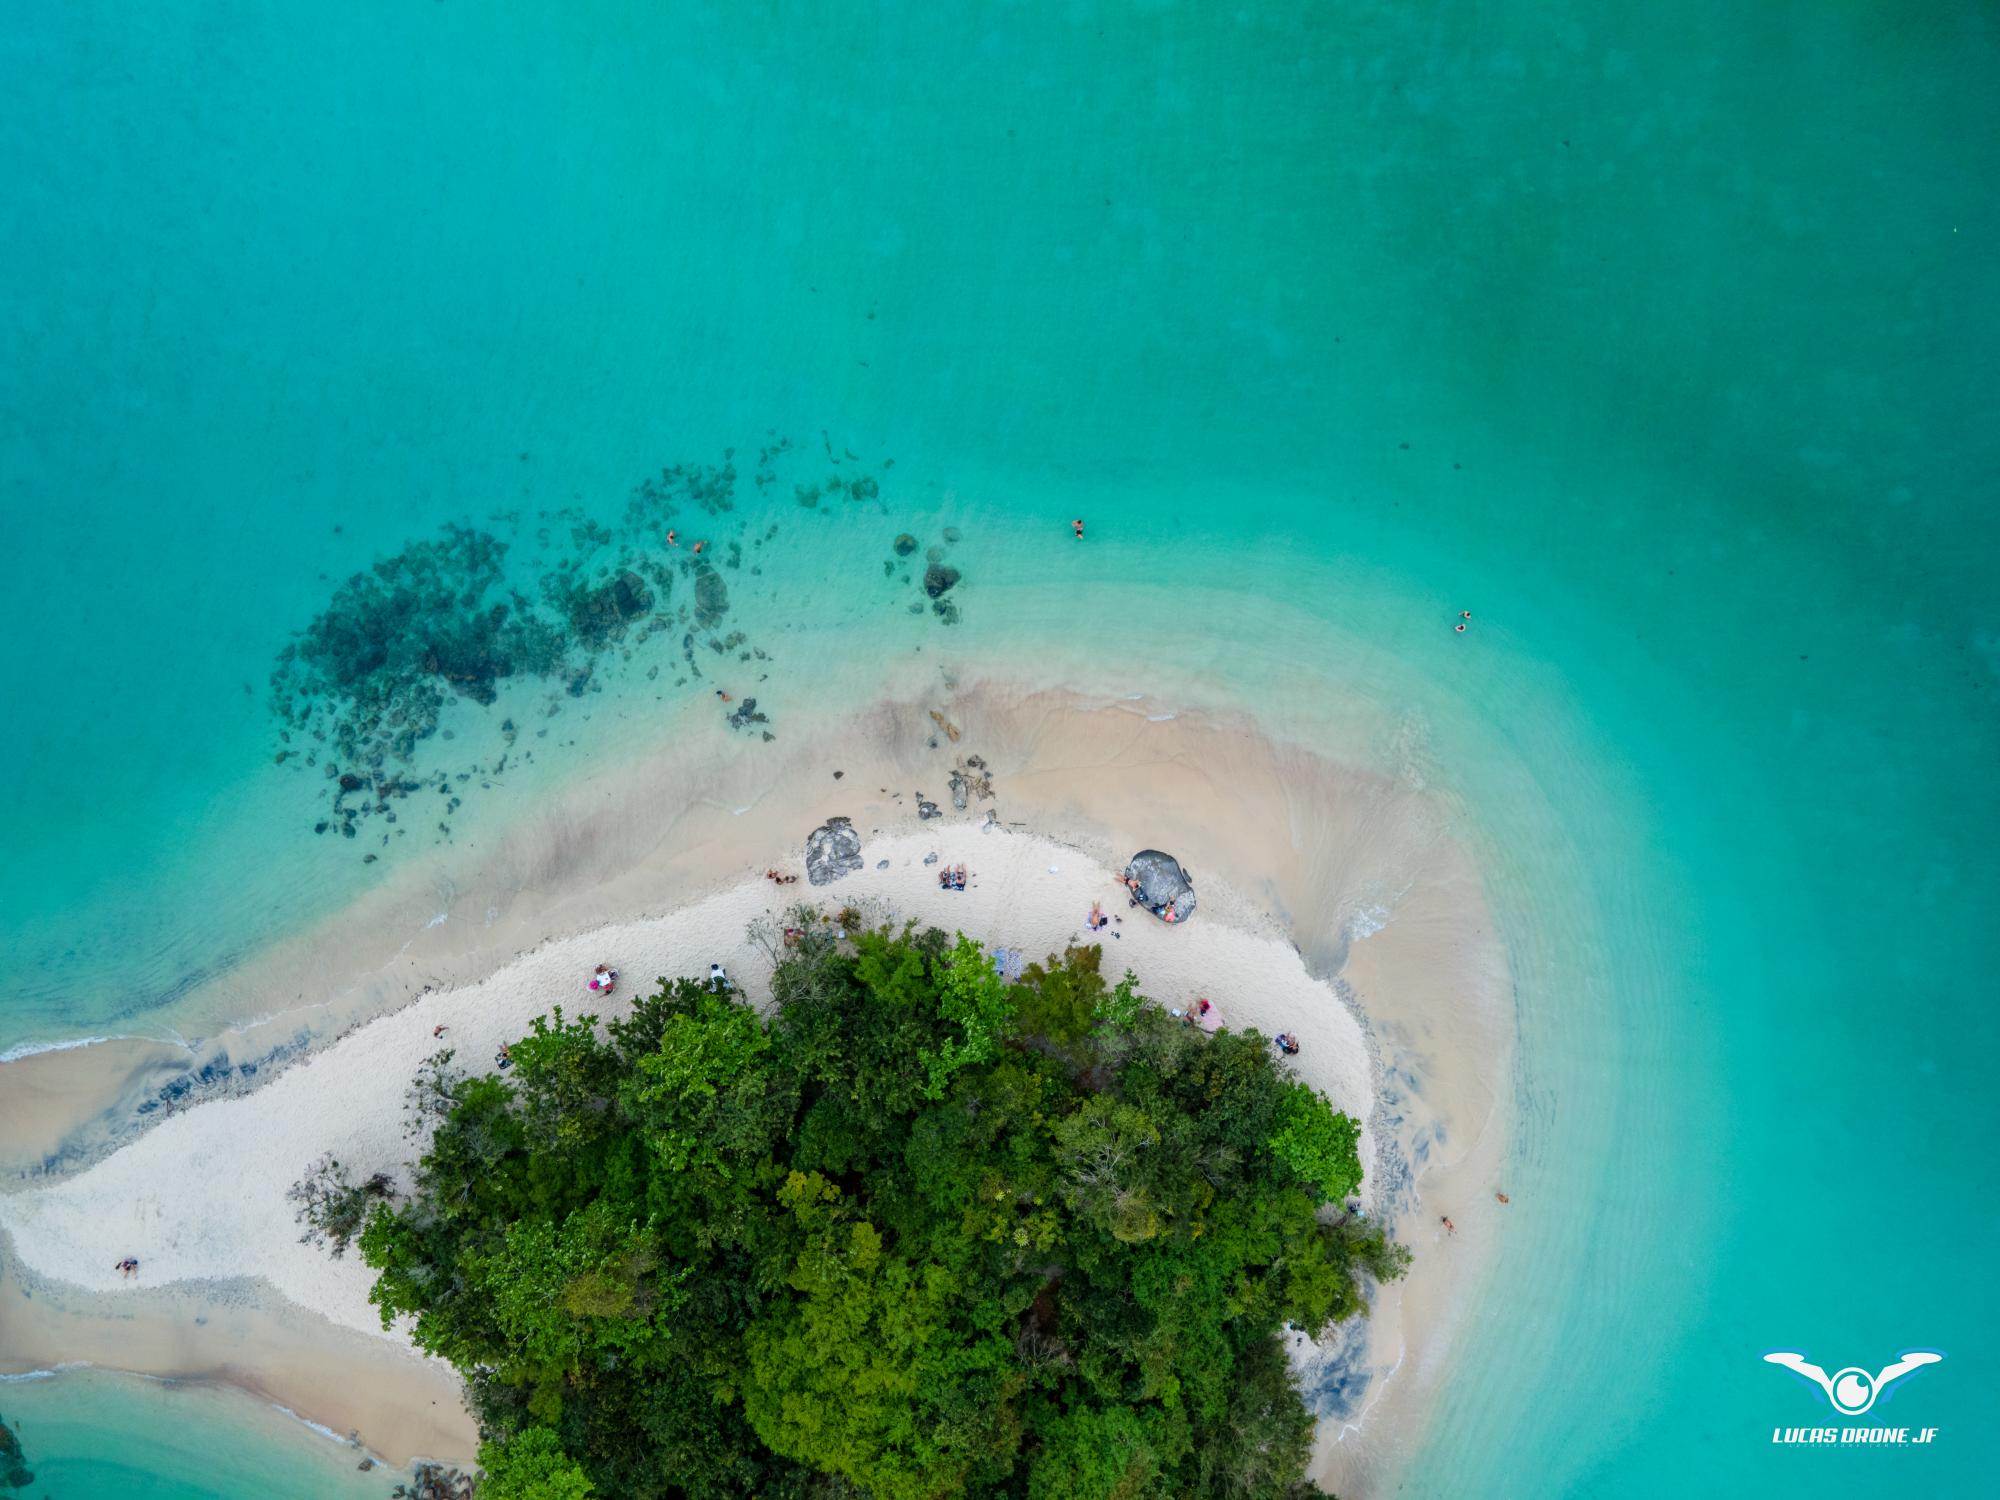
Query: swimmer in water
point(673, 537)
point(1459, 627)
point(697, 548)
point(1078, 525)
point(723, 696)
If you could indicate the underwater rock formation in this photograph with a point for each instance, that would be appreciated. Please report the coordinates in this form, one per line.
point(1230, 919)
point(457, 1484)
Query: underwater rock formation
point(558, 603)
point(939, 578)
point(711, 597)
point(14, 1471)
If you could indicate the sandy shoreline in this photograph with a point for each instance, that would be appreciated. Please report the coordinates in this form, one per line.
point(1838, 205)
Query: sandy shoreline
point(653, 868)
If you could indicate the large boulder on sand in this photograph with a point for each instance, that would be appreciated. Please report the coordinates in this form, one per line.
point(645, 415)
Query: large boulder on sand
point(832, 850)
point(1164, 887)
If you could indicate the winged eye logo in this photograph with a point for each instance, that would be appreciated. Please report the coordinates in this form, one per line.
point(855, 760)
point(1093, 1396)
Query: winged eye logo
point(1853, 1390)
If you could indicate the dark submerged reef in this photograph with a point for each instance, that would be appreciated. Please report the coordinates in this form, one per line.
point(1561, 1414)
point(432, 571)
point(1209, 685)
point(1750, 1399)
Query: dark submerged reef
point(549, 607)
point(14, 1471)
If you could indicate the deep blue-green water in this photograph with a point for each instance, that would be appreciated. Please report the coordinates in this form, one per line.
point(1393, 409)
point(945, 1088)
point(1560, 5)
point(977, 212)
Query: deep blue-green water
point(1663, 337)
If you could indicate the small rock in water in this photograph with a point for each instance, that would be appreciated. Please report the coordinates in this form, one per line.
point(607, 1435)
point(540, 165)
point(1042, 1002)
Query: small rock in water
point(905, 544)
point(951, 533)
point(934, 554)
point(939, 579)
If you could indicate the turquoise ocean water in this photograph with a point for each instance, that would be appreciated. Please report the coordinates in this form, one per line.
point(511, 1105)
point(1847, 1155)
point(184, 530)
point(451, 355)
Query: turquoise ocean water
point(1661, 337)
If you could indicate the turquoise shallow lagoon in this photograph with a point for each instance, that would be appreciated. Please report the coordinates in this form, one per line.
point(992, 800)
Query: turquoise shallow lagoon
point(1662, 339)
point(90, 1432)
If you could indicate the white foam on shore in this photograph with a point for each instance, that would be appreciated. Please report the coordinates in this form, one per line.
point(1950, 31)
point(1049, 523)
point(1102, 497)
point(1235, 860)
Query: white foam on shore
point(37, 1374)
point(1368, 921)
point(36, 1049)
point(319, 1427)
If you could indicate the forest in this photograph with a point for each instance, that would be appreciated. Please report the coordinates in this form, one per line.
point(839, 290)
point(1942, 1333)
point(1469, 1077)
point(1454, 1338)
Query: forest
point(908, 1230)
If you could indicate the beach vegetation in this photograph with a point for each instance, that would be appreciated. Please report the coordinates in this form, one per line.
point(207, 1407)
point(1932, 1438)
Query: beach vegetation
point(332, 1206)
point(914, 1230)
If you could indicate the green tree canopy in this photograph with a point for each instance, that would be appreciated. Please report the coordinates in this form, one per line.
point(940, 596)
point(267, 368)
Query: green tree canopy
point(916, 1232)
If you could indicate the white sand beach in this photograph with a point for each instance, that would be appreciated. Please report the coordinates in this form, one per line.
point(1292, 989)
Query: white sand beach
point(203, 1196)
point(1335, 905)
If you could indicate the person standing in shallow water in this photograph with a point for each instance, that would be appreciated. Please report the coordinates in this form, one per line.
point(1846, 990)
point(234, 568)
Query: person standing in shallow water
point(1077, 524)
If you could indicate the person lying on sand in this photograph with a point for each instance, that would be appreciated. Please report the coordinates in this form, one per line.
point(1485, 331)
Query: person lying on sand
point(602, 981)
point(1098, 921)
point(958, 878)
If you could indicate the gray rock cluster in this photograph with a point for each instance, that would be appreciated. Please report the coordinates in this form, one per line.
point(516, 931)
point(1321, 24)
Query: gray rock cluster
point(832, 850)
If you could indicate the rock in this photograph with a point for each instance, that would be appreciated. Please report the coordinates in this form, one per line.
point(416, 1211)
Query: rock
point(1163, 885)
point(905, 544)
point(951, 533)
point(931, 858)
point(928, 810)
point(939, 579)
point(711, 597)
point(351, 783)
point(838, 774)
point(934, 554)
point(881, 864)
point(958, 790)
point(832, 850)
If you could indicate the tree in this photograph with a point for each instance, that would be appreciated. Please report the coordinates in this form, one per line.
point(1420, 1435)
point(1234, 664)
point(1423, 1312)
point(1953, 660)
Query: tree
point(332, 1206)
point(531, 1466)
point(1317, 1143)
point(919, 1232)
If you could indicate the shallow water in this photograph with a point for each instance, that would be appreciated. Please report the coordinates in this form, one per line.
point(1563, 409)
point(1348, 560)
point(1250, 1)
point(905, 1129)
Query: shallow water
point(1659, 341)
point(96, 1435)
